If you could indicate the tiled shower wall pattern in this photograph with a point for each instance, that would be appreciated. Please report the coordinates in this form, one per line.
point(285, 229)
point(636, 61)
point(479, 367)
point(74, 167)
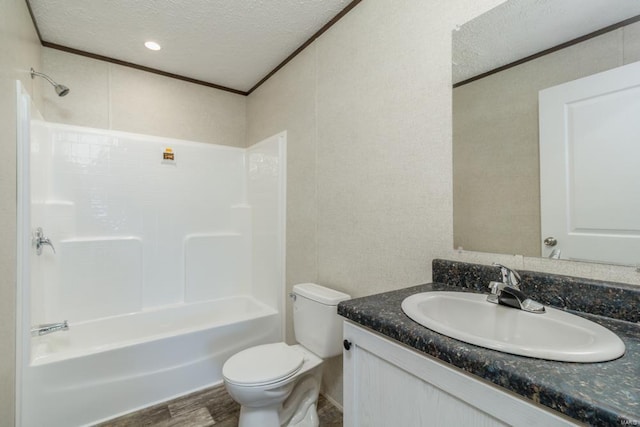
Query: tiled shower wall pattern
point(131, 230)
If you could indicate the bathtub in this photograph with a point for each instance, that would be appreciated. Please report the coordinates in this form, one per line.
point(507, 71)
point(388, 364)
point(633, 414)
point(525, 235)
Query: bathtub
point(104, 368)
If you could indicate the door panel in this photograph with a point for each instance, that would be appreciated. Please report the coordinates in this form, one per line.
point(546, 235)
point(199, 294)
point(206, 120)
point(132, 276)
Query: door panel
point(590, 166)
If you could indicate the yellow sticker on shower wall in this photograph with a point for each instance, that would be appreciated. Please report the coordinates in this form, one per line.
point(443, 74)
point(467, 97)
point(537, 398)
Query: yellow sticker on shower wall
point(168, 154)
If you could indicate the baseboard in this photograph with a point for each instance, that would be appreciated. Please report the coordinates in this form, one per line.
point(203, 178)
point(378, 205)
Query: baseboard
point(333, 402)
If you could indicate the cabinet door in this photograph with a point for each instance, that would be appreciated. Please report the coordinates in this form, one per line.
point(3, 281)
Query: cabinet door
point(387, 384)
point(386, 395)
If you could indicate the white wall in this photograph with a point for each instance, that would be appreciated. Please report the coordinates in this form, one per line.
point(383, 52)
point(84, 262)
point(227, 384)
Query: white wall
point(367, 108)
point(19, 50)
point(129, 233)
point(266, 193)
point(110, 96)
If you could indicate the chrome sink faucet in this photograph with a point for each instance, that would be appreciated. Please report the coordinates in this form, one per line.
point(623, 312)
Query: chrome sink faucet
point(508, 292)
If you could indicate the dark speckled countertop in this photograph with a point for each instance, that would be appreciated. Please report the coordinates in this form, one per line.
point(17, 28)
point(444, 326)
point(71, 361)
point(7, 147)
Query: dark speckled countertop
point(605, 394)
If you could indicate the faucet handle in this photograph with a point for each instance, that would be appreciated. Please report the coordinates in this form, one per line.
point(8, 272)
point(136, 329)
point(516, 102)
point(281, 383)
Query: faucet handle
point(496, 289)
point(39, 241)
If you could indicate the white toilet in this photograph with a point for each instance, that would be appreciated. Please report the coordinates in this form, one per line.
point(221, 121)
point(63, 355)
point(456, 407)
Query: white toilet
point(277, 384)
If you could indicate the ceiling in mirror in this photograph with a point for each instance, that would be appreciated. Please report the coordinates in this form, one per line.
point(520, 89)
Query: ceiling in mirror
point(497, 162)
point(521, 28)
point(232, 43)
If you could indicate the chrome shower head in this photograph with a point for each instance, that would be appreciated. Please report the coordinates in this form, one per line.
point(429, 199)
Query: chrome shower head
point(61, 90)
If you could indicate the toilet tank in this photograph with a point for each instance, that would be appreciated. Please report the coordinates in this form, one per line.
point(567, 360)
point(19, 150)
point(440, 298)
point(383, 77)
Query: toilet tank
point(315, 319)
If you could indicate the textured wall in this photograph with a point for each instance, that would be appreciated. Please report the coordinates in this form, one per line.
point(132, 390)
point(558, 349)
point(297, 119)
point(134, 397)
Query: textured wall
point(287, 102)
point(495, 132)
point(19, 50)
point(367, 110)
point(109, 96)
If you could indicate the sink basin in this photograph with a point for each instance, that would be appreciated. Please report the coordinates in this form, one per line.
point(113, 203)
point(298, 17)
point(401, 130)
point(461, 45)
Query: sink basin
point(554, 335)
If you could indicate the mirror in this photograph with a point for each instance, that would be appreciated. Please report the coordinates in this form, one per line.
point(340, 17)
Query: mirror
point(501, 61)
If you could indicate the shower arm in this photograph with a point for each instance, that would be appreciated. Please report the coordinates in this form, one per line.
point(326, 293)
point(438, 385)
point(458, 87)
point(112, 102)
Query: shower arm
point(61, 90)
point(44, 76)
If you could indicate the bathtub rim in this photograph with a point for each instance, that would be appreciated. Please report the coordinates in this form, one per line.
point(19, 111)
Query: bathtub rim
point(260, 309)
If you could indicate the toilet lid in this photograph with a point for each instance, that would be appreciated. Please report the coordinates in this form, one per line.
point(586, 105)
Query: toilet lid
point(263, 364)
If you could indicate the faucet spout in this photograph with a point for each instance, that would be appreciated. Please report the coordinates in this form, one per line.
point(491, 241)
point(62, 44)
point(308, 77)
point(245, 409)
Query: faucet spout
point(515, 298)
point(49, 328)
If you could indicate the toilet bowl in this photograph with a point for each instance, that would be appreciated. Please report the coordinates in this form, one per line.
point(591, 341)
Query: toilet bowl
point(277, 375)
point(278, 384)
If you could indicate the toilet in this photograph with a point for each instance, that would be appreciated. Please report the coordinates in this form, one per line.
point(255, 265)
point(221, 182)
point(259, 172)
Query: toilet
point(278, 384)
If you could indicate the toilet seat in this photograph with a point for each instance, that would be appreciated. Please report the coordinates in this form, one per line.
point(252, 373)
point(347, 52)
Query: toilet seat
point(263, 365)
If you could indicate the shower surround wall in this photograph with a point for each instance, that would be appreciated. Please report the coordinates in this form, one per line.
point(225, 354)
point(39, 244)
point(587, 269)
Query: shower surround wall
point(133, 231)
point(151, 255)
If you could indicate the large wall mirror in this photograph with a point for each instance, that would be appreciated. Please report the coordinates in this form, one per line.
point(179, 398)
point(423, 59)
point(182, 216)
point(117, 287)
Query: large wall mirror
point(509, 65)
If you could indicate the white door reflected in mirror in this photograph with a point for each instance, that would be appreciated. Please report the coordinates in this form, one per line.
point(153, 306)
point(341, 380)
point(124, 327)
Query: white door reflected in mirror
point(590, 167)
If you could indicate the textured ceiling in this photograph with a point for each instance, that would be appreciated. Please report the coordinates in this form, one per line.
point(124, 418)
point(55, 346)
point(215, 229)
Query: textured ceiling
point(232, 43)
point(520, 28)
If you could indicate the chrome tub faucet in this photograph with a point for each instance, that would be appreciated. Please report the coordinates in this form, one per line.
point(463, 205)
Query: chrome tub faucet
point(39, 241)
point(49, 328)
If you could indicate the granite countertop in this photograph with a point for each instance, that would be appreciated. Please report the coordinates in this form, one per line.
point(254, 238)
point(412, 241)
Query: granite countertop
point(605, 393)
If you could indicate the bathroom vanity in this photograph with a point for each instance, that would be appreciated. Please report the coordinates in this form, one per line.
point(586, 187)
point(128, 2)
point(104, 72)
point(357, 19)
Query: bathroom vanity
point(397, 372)
point(389, 384)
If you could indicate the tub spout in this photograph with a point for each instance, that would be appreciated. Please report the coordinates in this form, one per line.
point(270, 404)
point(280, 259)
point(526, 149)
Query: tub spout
point(49, 328)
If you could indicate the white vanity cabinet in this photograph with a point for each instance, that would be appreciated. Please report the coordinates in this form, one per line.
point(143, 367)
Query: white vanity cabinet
point(389, 384)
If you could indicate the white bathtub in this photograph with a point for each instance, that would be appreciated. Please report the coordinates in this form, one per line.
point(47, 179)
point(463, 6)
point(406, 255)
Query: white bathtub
point(104, 368)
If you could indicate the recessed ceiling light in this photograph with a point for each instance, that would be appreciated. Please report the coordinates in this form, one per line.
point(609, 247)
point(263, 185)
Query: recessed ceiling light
point(152, 45)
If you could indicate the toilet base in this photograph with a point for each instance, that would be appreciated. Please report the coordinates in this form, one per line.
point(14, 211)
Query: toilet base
point(266, 416)
point(299, 410)
point(270, 417)
point(310, 418)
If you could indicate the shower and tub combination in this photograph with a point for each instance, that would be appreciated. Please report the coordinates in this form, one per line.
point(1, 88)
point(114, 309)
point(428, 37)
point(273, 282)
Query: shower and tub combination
point(151, 262)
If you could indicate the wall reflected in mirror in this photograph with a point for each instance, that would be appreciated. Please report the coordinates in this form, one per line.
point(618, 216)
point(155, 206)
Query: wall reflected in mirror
point(496, 156)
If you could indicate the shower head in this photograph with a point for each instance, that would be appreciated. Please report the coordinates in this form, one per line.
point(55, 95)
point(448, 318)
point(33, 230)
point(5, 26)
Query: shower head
point(61, 90)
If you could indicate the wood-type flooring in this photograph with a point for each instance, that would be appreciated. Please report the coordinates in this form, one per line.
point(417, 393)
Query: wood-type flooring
point(209, 407)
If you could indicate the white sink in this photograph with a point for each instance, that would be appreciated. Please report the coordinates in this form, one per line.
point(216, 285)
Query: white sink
point(554, 335)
